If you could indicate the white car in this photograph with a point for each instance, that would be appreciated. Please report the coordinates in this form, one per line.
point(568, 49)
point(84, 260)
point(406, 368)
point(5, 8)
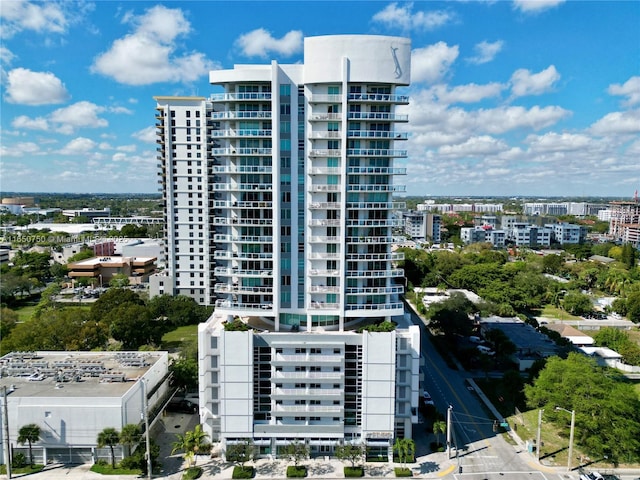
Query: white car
point(426, 398)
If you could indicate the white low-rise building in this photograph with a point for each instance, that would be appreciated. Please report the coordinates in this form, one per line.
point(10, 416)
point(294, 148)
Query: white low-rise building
point(73, 396)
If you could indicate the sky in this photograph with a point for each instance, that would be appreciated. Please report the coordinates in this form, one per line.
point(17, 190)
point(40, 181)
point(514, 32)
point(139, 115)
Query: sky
point(514, 98)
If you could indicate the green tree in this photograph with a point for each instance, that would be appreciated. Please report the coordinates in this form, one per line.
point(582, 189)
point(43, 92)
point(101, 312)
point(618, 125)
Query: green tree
point(8, 321)
point(607, 408)
point(83, 254)
point(632, 306)
point(577, 303)
point(112, 299)
point(296, 451)
point(109, 437)
point(132, 325)
point(29, 434)
point(130, 436)
point(240, 452)
point(439, 427)
point(119, 280)
point(552, 264)
point(350, 453)
point(451, 316)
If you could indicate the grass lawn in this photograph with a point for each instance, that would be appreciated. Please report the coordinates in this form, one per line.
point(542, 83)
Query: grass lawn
point(24, 312)
point(549, 311)
point(174, 339)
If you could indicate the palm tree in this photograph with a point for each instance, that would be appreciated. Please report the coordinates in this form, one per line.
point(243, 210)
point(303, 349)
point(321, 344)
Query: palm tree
point(405, 448)
point(30, 434)
point(190, 443)
point(439, 426)
point(109, 437)
point(130, 436)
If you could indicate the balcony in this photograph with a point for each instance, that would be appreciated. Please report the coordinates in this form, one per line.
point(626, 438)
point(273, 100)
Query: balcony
point(391, 117)
point(237, 307)
point(325, 98)
point(324, 206)
point(227, 288)
point(378, 98)
point(310, 358)
point(324, 188)
point(322, 289)
point(325, 171)
point(374, 290)
point(323, 256)
point(324, 222)
point(316, 409)
point(324, 134)
point(375, 306)
point(376, 256)
point(365, 240)
point(325, 153)
point(233, 97)
point(236, 272)
point(323, 306)
point(227, 255)
point(376, 188)
point(232, 115)
point(375, 152)
point(375, 223)
point(323, 239)
point(242, 239)
point(315, 117)
point(376, 205)
point(377, 134)
point(310, 375)
point(304, 392)
point(228, 151)
point(242, 221)
point(324, 273)
point(375, 273)
point(242, 169)
point(240, 133)
point(251, 205)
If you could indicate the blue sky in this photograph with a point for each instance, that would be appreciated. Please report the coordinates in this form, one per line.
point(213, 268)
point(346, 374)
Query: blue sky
point(533, 98)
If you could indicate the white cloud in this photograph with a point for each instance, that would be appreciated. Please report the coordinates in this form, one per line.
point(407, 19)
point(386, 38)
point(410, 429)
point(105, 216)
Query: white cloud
point(126, 148)
point(523, 82)
point(617, 123)
point(260, 43)
point(474, 146)
point(38, 123)
point(469, 93)
point(39, 17)
point(78, 146)
point(431, 64)
point(630, 89)
point(535, 6)
point(79, 115)
point(148, 55)
point(6, 55)
point(146, 135)
point(485, 52)
point(26, 87)
point(403, 17)
point(560, 142)
point(121, 110)
point(19, 149)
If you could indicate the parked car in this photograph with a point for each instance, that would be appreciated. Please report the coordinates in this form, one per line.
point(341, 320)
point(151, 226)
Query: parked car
point(426, 398)
point(180, 405)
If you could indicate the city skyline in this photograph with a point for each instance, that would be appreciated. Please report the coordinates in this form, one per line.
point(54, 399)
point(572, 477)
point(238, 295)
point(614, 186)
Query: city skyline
point(507, 98)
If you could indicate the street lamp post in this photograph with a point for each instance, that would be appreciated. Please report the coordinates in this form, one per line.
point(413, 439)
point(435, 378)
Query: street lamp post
point(573, 425)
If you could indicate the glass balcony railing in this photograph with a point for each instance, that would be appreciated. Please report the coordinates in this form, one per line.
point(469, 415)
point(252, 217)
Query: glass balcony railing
point(229, 97)
point(378, 97)
point(392, 117)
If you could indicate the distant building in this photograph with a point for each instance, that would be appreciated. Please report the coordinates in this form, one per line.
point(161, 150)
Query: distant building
point(524, 235)
point(103, 269)
point(87, 212)
point(73, 396)
point(144, 247)
point(422, 226)
point(624, 225)
point(431, 206)
point(566, 233)
point(4, 253)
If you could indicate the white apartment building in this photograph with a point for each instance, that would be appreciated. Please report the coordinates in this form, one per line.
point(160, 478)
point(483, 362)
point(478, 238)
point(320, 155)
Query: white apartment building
point(564, 233)
point(320, 388)
point(278, 199)
point(422, 225)
point(526, 235)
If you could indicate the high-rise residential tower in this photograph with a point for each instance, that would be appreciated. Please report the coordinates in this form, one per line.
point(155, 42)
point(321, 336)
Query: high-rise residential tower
point(278, 195)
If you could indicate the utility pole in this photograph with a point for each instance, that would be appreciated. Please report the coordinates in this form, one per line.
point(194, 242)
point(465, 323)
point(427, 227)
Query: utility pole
point(449, 431)
point(538, 444)
point(573, 426)
point(5, 420)
point(145, 413)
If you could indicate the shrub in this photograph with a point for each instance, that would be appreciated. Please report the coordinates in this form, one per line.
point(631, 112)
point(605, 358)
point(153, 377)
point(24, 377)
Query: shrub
point(296, 472)
point(19, 460)
point(351, 472)
point(195, 472)
point(436, 447)
point(242, 472)
point(403, 472)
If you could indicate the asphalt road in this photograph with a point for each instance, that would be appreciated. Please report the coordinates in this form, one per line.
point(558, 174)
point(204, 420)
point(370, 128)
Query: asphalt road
point(480, 454)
